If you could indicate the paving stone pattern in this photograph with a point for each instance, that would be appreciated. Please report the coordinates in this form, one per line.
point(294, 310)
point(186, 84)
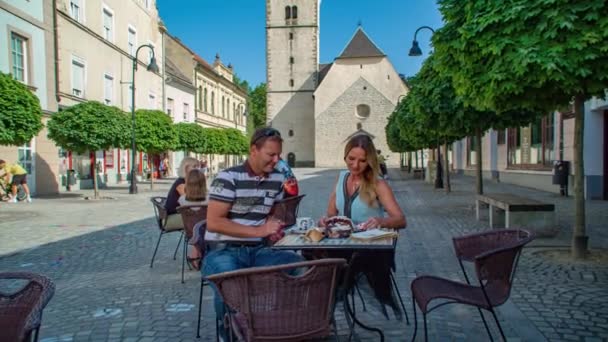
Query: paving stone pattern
point(98, 254)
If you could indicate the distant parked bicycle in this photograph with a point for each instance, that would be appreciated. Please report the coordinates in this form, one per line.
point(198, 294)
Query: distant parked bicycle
point(5, 191)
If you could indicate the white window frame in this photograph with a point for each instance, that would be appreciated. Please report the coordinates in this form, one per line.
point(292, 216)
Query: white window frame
point(80, 16)
point(170, 107)
point(129, 29)
point(108, 99)
point(82, 62)
point(24, 48)
point(147, 4)
point(186, 111)
point(105, 8)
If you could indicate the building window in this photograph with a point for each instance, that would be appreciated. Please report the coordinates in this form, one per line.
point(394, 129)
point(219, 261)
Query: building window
point(205, 100)
point(152, 101)
point(19, 56)
point(212, 102)
point(223, 107)
point(500, 137)
point(363, 111)
point(76, 10)
point(78, 79)
point(287, 12)
point(147, 3)
point(294, 12)
point(150, 53)
point(186, 111)
point(291, 60)
point(108, 24)
point(108, 89)
point(533, 144)
point(200, 98)
point(228, 109)
point(25, 157)
point(291, 82)
point(132, 41)
point(290, 35)
point(290, 133)
point(170, 106)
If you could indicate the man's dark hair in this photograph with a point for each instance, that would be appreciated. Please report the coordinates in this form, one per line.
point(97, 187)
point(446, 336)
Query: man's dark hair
point(2, 161)
point(262, 134)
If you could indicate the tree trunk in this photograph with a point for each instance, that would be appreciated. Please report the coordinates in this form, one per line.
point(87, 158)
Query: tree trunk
point(95, 186)
point(446, 162)
point(409, 162)
point(579, 239)
point(438, 174)
point(416, 156)
point(479, 162)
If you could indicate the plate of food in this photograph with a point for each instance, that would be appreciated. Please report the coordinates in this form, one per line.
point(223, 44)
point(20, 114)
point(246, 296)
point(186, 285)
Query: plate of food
point(338, 227)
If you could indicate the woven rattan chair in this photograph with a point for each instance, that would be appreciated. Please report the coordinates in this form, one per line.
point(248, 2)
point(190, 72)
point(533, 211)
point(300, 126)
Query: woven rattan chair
point(161, 216)
point(495, 270)
point(265, 303)
point(21, 311)
point(286, 209)
point(191, 215)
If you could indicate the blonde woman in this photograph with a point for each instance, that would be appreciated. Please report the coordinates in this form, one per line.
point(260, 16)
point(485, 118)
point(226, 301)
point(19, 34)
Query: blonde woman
point(195, 194)
point(174, 220)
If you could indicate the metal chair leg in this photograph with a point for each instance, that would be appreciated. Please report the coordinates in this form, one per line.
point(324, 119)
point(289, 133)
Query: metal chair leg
point(184, 252)
point(178, 243)
point(36, 331)
point(426, 334)
point(156, 249)
point(407, 320)
point(483, 319)
point(200, 309)
point(360, 297)
point(502, 334)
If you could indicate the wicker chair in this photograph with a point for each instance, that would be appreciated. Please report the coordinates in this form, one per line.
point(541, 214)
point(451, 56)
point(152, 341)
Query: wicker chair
point(191, 215)
point(160, 213)
point(286, 209)
point(495, 268)
point(21, 311)
point(268, 304)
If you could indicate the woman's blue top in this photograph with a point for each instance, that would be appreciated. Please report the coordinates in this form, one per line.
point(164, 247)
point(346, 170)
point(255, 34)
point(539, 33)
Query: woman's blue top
point(352, 206)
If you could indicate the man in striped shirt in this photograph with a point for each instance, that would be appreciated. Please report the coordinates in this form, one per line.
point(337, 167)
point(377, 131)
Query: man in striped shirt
point(238, 222)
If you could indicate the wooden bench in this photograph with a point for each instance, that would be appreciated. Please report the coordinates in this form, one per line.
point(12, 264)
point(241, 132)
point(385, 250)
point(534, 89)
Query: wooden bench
point(512, 204)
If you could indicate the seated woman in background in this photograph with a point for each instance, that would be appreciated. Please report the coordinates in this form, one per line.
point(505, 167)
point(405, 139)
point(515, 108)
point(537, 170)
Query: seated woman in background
point(363, 196)
point(174, 220)
point(195, 194)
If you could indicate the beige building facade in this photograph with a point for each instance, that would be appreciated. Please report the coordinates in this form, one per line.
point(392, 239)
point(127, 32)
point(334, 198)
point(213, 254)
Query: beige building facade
point(96, 43)
point(27, 53)
point(318, 107)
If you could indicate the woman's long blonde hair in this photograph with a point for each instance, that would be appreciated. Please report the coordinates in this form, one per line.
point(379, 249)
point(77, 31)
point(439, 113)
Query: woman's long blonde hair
point(367, 188)
point(188, 162)
point(196, 186)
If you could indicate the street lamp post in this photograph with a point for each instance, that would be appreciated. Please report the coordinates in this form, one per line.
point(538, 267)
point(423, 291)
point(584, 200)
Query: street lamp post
point(415, 51)
point(152, 66)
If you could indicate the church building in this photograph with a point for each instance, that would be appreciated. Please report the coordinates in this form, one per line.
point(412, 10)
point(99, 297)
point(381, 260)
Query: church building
point(319, 107)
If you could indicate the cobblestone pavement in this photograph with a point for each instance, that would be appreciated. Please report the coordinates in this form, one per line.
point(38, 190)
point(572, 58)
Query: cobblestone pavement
point(98, 254)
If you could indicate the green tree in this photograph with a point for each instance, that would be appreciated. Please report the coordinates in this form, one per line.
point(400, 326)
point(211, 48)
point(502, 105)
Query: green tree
point(20, 112)
point(257, 106)
point(237, 142)
point(215, 141)
point(243, 84)
point(534, 54)
point(190, 137)
point(154, 134)
point(90, 126)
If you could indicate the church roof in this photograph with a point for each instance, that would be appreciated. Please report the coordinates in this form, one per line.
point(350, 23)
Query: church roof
point(361, 46)
point(323, 70)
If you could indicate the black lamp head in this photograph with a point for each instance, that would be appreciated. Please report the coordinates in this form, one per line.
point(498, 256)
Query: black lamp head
point(152, 66)
point(415, 50)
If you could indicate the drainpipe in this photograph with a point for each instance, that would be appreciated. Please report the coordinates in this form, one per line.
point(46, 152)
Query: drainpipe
point(162, 47)
point(56, 48)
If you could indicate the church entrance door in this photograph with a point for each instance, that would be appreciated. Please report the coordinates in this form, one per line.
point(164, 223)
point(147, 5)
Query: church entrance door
point(291, 159)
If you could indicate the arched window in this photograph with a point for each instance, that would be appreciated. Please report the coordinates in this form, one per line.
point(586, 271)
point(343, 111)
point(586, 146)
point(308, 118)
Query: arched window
point(212, 102)
point(200, 97)
point(291, 82)
point(228, 108)
point(363, 111)
point(287, 12)
point(205, 100)
point(223, 106)
point(294, 12)
point(290, 133)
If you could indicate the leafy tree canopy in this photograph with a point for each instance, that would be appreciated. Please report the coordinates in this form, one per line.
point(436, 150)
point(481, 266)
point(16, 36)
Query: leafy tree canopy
point(534, 54)
point(215, 142)
point(90, 126)
point(243, 84)
point(257, 106)
point(154, 131)
point(237, 142)
point(20, 112)
point(190, 137)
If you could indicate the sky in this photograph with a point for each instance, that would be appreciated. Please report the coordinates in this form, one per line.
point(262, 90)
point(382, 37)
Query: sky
point(236, 30)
